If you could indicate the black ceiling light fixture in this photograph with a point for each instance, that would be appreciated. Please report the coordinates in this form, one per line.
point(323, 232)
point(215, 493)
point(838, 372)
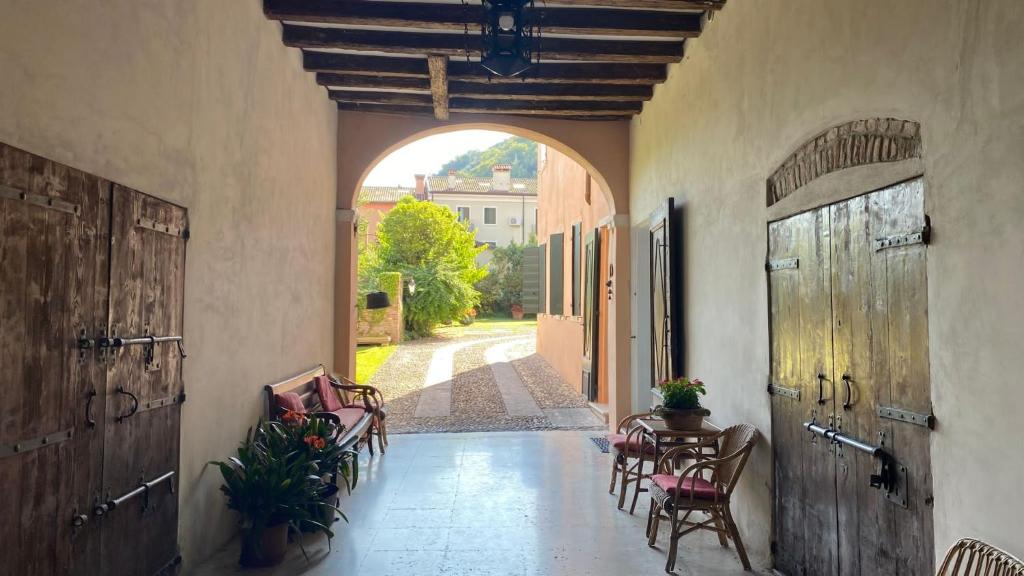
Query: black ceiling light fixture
point(507, 37)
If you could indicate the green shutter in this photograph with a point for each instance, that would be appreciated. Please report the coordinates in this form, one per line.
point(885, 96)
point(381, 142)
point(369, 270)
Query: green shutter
point(531, 279)
point(557, 273)
point(575, 296)
point(543, 251)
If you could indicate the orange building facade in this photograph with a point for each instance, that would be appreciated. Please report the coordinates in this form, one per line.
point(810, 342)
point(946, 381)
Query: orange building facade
point(571, 206)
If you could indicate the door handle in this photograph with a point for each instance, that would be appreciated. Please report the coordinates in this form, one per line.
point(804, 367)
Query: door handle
point(135, 404)
point(848, 403)
point(89, 421)
point(821, 388)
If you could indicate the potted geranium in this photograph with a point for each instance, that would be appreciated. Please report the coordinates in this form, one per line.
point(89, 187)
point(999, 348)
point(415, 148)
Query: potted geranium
point(517, 312)
point(275, 486)
point(680, 403)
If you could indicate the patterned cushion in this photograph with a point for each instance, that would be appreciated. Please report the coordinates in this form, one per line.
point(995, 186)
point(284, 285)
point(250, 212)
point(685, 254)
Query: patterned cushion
point(349, 416)
point(618, 441)
point(329, 400)
point(290, 401)
point(701, 488)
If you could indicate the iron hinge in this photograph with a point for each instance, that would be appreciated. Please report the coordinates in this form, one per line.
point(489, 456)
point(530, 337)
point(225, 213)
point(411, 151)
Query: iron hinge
point(921, 236)
point(900, 415)
point(780, 391)
point(34, 443)
point(783, 264)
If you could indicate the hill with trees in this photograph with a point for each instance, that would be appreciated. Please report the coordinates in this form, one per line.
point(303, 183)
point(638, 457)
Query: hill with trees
point(520, 152)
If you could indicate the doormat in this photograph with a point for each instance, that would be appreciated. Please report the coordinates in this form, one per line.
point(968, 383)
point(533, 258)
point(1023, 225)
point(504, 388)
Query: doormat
point(601, 442)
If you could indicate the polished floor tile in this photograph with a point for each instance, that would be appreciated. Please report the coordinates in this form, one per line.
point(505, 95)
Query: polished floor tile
point(489, 504)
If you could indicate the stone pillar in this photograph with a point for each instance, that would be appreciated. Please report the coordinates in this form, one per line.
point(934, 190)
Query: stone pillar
point(346, 261)
point(619, 327)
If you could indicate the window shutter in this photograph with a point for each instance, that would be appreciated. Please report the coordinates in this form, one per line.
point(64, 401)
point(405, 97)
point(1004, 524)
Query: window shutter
point(531, 279)
point(557, 273)
point(543, 255)
point(575, 296)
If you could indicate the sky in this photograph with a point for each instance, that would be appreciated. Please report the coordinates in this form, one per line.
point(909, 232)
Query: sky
point(426, 156)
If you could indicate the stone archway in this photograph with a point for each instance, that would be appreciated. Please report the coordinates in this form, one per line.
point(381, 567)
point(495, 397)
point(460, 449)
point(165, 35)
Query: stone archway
point(602, 148)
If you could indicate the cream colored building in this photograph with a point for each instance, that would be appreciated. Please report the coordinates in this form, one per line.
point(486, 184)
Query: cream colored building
point(501, 209)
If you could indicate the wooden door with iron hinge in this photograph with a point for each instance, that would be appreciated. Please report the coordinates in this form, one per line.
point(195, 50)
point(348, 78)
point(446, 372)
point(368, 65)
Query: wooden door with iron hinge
point(63, 435)
point(869, 403)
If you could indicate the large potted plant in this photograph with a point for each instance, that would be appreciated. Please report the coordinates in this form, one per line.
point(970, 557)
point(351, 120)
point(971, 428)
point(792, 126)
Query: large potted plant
point(275, 486)
point(680, 403)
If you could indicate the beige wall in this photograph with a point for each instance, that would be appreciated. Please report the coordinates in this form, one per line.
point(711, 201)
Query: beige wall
point(199, 103)
point(501, 232)
point(562, 185)
point(761, 81)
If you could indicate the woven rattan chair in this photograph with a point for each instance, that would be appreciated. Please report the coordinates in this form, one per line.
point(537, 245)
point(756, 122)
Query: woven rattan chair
point(630, 455)
point(703, 487)
point(970, 557)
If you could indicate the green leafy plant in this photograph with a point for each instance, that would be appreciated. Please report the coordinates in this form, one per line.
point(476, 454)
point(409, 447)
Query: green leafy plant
point(282, 475)
point(503, 287)
point(681, 393)
point(425, 242)
point(517, 151)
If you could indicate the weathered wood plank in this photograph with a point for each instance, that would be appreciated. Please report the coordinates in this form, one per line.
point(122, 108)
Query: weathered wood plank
point(456, 17)
point(355, 89)
point(460, 70)
point(422, 43)
point(645, 4)
point(438, 66)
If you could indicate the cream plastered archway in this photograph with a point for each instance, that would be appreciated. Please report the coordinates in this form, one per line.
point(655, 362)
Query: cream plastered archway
point(602, 148)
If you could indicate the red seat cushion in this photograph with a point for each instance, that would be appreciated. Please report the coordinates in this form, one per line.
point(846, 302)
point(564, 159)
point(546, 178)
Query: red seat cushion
point(618, 441)
point(701, 488)
point(349, 416)
point(290, 401)
point(328, 396)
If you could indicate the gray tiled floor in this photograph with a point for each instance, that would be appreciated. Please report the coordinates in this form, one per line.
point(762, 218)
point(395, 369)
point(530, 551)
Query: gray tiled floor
point(488, 504)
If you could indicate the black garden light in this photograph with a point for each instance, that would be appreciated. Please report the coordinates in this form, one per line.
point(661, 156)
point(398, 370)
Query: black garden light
point(377, 300)
point(507, 37)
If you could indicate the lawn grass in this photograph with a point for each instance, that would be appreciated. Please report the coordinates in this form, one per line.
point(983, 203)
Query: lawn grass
point(369, 359)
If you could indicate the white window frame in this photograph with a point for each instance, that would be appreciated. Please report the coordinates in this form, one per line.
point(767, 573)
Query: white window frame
point(495, 208)
point(458, 213)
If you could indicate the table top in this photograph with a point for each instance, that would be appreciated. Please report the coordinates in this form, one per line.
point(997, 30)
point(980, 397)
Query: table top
point(657, 427)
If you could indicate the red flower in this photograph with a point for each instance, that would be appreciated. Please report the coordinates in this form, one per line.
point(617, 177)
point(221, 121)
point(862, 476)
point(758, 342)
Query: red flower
point(291, 417)
point(315, 442)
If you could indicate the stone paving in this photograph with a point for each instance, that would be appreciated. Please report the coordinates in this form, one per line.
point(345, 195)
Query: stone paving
point(478, 379)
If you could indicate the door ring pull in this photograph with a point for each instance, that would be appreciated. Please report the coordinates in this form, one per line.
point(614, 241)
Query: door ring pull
point(821, 388)
point(848, 403)
point(135, 404)
point(89, 421)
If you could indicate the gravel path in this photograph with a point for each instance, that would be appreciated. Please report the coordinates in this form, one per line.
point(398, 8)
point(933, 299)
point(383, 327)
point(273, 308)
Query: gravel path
point(476, 401)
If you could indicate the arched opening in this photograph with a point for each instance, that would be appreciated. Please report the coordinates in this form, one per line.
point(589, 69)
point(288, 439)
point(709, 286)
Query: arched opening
point(529, 352)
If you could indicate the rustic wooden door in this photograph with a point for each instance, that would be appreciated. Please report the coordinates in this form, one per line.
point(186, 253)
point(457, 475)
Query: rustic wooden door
point(53, 251)
point(62, 444)
point(666, 353)
point(869, 306)
point(144, 385)
point(801, 355)
point(591, 315)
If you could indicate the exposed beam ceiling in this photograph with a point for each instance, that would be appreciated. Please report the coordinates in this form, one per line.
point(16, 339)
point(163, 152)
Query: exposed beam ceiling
point(459, 17)
point(594, 59)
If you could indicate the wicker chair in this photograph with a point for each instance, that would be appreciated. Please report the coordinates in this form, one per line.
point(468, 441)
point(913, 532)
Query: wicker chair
point(704, 486)
point(630, 455)
point(970, 557)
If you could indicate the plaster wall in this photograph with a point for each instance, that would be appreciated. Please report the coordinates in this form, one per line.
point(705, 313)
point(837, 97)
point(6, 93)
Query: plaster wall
point(196, 102)
point(764, 79)
point(506, 207)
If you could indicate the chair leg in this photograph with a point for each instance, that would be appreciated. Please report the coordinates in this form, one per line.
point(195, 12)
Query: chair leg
point(369, 439)
point(722, 538)
point(735, 533)
point(380, 435)
point(654, 519)
point(624, 483)
point(615, 475)
point(636, 486)
point(673, 544)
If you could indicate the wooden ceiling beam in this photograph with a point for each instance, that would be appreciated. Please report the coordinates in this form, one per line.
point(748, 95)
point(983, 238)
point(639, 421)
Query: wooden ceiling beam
point(419, 102)
point(456, 17)
point(427, 111)
point(609, 92)
point(422, 43)
point(438, 66)
point(460, 70)
point(644, 4)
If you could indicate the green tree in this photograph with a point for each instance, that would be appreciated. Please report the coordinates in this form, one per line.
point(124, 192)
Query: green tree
point(520, 153)
point(426, 242)
point(503, 285)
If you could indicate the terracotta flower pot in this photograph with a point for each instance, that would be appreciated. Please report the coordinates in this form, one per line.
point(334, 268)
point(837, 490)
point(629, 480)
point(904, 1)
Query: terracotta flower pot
point(264, 546)
point(517, 312)
point(684, 419)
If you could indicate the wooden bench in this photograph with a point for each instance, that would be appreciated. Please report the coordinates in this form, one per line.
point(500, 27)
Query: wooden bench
point(362, 415)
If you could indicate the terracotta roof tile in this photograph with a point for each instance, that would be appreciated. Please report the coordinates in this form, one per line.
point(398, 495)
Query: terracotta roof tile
point(470, 185)
point(384, 194)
